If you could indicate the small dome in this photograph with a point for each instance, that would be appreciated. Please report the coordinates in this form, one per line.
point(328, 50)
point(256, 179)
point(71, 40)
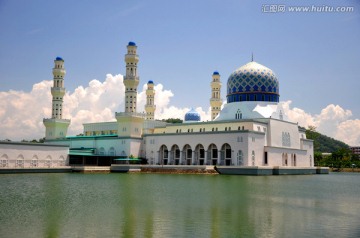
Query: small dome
point(192, 116)
point(252, 82)
point(131, 43)
point(150, 82)
point(59, 58)
point(216, 73)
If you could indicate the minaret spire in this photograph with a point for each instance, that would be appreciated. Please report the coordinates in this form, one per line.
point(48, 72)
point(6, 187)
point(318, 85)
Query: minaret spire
point(131, 80)
point(56, 127)
point(150, 98)
point(215, 100)
point(252, 56)
point(58, 90)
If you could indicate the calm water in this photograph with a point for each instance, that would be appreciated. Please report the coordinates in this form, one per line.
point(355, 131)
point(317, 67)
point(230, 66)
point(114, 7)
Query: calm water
point(157, 205)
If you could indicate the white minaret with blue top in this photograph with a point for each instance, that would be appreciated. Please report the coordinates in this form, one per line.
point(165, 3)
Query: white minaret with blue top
point(150, 98)
point(56, 127)
point(215, 100)
point(130, 122)
point(131, 80)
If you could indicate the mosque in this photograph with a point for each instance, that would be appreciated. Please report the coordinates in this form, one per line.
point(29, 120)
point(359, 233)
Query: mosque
point(251, 129)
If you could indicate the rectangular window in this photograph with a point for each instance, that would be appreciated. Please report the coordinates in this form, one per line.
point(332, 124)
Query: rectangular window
point(266, 158)
point(189, 153)
point(214, 153)
point(202, 153)
point(228, 153)
point(177, 153)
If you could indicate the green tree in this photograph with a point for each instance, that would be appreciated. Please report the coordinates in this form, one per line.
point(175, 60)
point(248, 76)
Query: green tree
point(341, 158)
point(173, 120)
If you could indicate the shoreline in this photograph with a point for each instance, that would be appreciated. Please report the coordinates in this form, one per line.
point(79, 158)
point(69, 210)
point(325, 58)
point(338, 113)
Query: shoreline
point(146, 169)
point(179, 169)
point(346, 170)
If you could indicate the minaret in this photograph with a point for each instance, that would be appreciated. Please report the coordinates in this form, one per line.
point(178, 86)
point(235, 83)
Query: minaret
point(56, 127)
point(130, 123)
point(58, 90)
point(150, 105)
point(215, 100)
point(131, 80)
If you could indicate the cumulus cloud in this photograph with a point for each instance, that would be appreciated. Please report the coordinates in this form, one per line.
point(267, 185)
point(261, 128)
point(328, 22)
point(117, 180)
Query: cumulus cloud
point(333, 121)
point(21, 113)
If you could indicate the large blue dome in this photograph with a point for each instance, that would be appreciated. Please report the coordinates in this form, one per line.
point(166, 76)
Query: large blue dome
point(252, 82)
point(192, 116)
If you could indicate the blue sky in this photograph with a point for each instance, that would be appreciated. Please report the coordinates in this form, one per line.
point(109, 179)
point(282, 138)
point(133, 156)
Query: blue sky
point(316, 56)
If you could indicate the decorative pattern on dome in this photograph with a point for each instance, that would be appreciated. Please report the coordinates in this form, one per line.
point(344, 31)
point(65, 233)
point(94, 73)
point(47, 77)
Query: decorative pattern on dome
point(253, 82)
point(192, 116)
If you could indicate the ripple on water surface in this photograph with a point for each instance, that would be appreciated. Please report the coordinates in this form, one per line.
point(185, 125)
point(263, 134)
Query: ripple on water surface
point(160, 205)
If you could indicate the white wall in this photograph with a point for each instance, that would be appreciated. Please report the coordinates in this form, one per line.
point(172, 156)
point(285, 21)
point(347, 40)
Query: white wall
point(27, 155)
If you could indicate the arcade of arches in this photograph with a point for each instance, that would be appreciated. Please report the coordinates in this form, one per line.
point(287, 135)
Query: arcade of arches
point(198, 155)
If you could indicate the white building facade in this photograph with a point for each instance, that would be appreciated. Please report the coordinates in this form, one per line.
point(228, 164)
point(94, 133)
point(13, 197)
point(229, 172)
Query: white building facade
point(250, 130)
point(33, 155)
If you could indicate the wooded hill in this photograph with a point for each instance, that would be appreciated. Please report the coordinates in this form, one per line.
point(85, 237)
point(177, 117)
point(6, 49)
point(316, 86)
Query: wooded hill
point(323, 143)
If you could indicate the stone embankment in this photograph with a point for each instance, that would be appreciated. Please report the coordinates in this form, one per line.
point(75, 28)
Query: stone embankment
point(178, 171)
point(164, 169)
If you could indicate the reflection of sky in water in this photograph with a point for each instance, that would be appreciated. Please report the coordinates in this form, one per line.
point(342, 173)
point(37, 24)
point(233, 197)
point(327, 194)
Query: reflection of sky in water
point(151, 205)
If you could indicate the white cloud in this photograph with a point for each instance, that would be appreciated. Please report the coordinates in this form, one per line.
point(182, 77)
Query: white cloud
point(21, 113)
point(333, 121)
point(349, 131)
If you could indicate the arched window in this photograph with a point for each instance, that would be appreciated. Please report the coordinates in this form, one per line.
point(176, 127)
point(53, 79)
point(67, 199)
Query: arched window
point(102, 151)
point(238, 115)
point(48, 161)
point(285, 159)
point(112, 151)
point(253, 158)
point(20, 161)
point(34, 161)
point(4, 160)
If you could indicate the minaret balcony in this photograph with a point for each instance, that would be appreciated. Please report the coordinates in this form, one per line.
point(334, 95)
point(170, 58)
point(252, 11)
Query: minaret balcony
point(150, 106)
point(215, 99)
point(216, 84)
point(131, 58)
point(58, 120)
point(57, 71)
point(132, 114)
point(130, 77)
point(56, 91)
